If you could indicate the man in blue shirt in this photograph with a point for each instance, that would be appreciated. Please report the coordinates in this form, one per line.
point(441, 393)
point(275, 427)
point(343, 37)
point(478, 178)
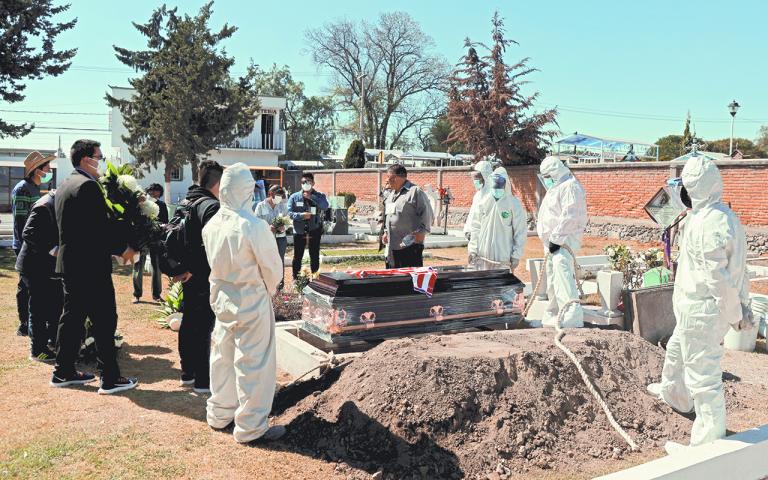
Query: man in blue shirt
point(306, 209)
point(37, 170)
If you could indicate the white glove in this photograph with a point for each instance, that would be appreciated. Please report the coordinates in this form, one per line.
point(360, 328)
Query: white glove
point(747, 319)
point(514, 262)
point(468, 235)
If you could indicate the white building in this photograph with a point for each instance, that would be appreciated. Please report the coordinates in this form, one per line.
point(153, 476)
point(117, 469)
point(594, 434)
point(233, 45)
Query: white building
point(259, 149)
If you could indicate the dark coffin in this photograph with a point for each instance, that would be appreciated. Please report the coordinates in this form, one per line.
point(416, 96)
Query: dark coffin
point(339, 307)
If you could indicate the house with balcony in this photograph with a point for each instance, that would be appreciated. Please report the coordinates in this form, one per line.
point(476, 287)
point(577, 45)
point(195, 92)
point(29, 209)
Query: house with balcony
point(259, 148)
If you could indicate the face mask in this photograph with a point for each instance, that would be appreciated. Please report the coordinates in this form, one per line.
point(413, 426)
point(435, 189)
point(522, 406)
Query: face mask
point(102, 168)
point(498, 193)
point(549, 183)
point(306, 187)
point(277, 200)
point(47, 177)
point(478, 184)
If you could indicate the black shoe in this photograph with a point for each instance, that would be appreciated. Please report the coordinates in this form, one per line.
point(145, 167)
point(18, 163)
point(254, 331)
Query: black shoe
point(22, 332)
point(187, 379)
point(119, 385)
point(78, 378)
point(275, 432)
point(46, 355)
point(202, 389)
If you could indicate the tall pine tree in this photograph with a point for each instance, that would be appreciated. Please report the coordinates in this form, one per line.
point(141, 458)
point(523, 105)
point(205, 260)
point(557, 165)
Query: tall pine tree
point(687, 137)
point(186, 103)
point(487, 109)
point(27, 36)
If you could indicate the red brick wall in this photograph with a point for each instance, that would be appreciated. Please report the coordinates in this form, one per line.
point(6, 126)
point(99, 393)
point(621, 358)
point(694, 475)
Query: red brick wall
point(613, 190)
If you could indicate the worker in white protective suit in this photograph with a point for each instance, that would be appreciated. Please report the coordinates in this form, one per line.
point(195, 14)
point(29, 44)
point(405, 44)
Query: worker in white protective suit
point(245, 272)
point(499, 231)
point(480, 178)
point(711, 293)
point(562, 220)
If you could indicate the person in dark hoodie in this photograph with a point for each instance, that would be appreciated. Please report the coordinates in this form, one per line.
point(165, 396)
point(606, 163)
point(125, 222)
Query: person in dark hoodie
point(197, 325)
point(36, 264)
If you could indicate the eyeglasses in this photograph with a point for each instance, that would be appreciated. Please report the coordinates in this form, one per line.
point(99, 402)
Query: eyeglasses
point(100, 157)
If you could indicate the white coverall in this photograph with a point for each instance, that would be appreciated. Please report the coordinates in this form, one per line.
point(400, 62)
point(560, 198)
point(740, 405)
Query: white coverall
point(562, 220)
point(499, 228)
point(245, 272)
point(485, 169)
point(711, 293)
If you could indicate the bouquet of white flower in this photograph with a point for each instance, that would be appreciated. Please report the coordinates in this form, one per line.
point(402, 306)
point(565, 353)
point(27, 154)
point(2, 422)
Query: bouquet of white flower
point(282, 223)
point(128, 203)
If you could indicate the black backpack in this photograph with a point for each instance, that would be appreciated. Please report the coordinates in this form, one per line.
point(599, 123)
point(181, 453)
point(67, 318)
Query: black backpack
point(176, 242)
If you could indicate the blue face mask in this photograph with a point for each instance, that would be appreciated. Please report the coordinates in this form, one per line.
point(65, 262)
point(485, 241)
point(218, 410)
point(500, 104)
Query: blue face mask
point(47, 177)
point(498, 193)
point(478, 184)
point(549, 182)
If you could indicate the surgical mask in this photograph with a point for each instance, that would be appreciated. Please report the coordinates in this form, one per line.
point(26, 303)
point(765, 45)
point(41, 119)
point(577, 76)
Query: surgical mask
point(478, 184)
point(306, 187)
point(47, 177)
point(102, 168)
point(277, 199)
point(498, 193)
point(549, 182)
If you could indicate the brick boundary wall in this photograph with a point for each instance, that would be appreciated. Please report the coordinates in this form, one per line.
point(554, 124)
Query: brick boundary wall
point(616, 192)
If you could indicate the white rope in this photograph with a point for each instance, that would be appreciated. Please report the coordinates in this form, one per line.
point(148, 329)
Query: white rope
point(560, 333)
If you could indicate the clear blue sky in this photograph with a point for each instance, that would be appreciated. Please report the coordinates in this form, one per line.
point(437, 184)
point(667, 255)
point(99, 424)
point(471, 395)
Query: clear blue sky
point(619, 69)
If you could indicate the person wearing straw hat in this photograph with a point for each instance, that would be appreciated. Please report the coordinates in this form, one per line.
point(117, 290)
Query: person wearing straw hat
point(37, 170)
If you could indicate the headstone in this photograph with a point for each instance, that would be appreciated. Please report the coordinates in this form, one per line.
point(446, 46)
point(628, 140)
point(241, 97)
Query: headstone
point(648, 313)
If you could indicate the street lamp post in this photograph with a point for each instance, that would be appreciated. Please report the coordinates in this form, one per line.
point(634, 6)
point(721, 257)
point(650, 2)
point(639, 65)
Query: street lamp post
point(733, 107)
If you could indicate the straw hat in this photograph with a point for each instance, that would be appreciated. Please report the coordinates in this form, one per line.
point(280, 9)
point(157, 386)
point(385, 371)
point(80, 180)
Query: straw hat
point(34, 160)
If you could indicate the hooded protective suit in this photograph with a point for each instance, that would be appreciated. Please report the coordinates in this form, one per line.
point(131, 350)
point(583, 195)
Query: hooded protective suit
point(711, 293)
point(245, 272)
point(485, 169)
point(499, 229)
point(562, 220)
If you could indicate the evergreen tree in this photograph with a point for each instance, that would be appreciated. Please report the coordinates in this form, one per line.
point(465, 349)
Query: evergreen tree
point(27, 36)
point(687, 137)
point(487, 109)
point(355, 157)
point(186, 103)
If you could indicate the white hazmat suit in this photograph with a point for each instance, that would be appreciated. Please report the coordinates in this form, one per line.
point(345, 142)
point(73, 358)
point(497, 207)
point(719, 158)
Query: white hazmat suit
point(561, 221)
point(499, 228)
point(245, 272)
point(711, 293)
point(485, 169)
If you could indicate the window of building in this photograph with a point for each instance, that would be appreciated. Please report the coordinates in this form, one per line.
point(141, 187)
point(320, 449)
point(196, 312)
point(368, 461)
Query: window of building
point(177, 174)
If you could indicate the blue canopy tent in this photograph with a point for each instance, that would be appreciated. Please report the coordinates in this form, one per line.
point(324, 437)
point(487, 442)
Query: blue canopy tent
point(591, 149)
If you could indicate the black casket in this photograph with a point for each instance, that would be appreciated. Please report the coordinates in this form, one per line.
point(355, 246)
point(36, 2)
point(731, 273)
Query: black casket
point(340, 307)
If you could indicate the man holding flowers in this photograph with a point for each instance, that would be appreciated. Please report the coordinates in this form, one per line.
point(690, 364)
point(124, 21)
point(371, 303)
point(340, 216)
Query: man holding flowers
point(88, 237)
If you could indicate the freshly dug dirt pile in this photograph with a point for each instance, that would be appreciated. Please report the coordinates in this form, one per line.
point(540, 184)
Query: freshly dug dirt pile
point(486, 405)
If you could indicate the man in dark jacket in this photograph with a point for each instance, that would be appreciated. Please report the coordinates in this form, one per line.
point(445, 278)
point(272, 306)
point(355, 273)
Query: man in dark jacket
point(156, 192)
point(198, 321)
point(36, 264)
point(37, 170)
point(87, 240)
point(306, 208)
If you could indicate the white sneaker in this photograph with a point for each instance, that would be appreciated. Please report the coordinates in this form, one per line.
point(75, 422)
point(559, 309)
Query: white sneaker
point(201, 390)
point(655, 390)
point(273, 433)
point(674, 448)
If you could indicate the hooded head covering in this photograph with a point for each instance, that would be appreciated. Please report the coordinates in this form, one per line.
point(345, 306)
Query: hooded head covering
point(236, 191)
point(503, 178)
point(485, 169)
point(702, 179)
point(554, 168)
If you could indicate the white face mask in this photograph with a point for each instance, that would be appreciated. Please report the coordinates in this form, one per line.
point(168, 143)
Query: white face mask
point(306, 187)
point(101, 168)
point(498, 193)
point(277, 199)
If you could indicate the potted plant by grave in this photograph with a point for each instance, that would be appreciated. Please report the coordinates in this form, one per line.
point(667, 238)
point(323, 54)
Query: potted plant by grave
point(171, 311)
